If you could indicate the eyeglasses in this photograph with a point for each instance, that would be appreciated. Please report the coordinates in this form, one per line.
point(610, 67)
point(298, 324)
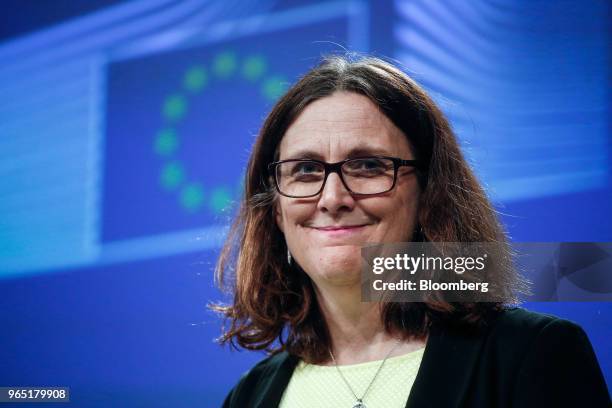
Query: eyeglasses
point(301, 178)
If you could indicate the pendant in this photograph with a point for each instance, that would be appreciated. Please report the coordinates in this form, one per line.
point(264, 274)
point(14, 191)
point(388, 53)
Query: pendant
point(359, 404)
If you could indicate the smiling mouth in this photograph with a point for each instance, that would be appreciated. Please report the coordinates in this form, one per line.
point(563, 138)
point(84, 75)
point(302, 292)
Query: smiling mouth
point(340, 228)
point(344, 231)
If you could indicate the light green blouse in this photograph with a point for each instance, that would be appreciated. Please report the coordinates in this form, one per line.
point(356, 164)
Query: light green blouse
point(315, 386)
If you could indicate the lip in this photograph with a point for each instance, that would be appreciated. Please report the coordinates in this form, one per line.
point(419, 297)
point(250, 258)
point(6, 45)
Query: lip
point(341, 230)
point(340, 227)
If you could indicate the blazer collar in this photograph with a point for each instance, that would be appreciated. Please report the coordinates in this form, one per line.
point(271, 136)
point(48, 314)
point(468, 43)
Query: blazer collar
point(275, 380)
point(446, 369)
point(442, 379)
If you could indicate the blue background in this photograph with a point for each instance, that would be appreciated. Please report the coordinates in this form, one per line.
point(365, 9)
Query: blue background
point(125, 127)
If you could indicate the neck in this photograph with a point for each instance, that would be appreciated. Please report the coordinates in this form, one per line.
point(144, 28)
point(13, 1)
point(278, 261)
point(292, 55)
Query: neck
point(356, 328)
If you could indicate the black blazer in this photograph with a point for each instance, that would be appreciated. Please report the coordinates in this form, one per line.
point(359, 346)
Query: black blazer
point(523, 359)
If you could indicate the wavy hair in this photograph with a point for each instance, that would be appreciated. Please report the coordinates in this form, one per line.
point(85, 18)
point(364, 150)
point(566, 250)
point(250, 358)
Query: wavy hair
point(274, 305)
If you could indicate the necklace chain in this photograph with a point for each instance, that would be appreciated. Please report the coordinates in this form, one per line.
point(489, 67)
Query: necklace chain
point(360, 400)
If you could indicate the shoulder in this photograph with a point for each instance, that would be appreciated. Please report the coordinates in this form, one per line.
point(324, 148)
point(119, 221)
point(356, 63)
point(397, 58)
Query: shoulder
point(258, 378)
point(522, 322)
point(551, 358)
point(516, 330)
point(520, 326)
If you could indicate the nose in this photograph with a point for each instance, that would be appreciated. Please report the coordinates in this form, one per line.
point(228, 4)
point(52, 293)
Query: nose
point(335, 197)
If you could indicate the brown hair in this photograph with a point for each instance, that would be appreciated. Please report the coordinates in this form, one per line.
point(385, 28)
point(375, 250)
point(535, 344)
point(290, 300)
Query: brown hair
point(274, 304)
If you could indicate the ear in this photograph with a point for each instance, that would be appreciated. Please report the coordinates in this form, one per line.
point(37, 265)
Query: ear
point(279, 218)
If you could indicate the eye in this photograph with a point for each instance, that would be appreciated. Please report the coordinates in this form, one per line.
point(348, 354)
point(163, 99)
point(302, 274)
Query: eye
point(306, 171)
point(306, 168)
point(369, 166)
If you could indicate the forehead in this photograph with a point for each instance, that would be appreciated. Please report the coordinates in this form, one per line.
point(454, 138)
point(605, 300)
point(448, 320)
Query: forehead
point(341, 124)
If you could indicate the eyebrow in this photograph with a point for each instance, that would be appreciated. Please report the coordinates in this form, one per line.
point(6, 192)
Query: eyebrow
point(358, 151)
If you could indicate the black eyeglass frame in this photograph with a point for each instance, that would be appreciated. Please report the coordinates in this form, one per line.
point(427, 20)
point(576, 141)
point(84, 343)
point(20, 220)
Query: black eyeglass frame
point(337, 168)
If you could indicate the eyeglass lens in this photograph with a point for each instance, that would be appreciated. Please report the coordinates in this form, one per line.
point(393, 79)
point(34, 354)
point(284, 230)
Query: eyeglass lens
point(362, 176)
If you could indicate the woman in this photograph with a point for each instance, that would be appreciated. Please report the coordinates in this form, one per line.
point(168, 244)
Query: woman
point(294, 250)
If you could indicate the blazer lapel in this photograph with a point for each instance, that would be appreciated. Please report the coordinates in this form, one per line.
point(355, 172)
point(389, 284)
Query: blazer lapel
point(275, 380)
point(446, 368)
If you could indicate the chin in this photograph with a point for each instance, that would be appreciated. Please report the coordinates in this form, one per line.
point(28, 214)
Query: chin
point(340, 266)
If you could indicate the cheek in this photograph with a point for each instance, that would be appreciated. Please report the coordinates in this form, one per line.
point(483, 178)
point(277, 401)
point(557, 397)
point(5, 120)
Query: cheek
point(400, 216)
point(289, 217)
point(287, 213)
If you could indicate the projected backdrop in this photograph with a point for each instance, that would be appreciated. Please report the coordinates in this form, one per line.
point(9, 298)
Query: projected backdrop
point(124, 136)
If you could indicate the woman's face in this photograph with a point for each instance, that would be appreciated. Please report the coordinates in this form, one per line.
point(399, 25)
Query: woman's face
point(334, 128)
